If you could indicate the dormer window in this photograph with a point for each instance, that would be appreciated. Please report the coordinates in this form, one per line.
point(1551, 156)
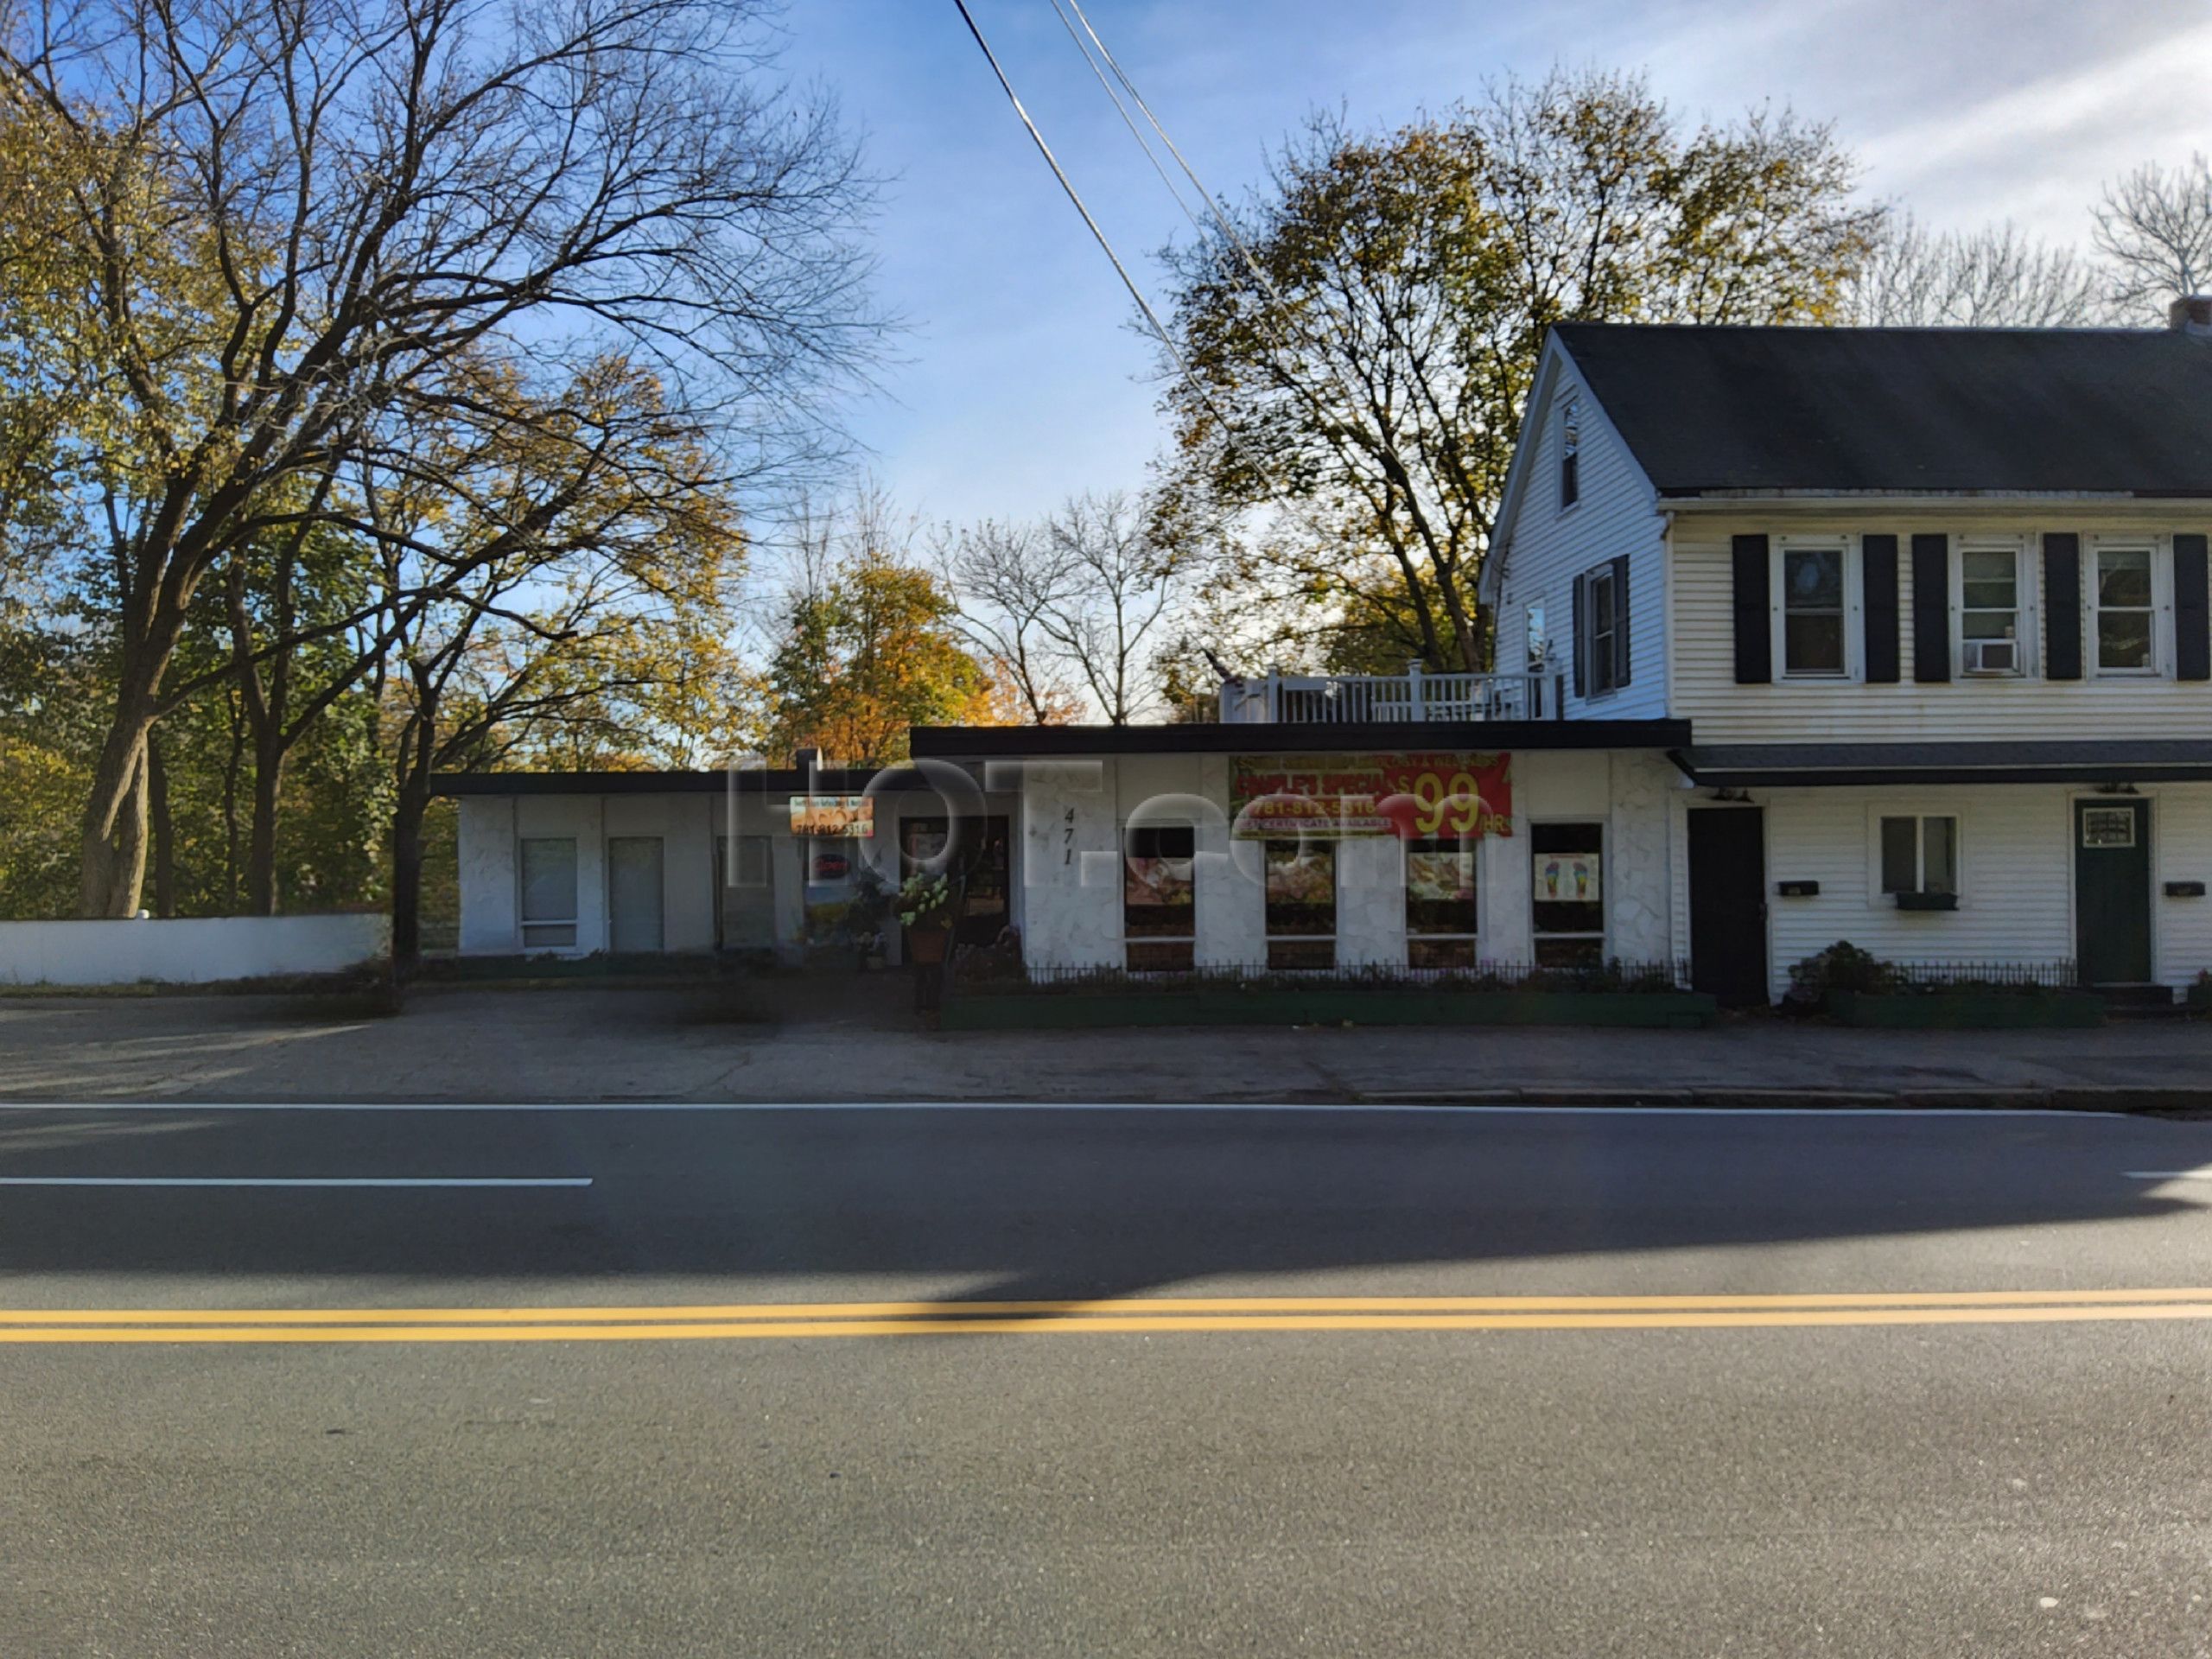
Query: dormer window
point(1570, 446)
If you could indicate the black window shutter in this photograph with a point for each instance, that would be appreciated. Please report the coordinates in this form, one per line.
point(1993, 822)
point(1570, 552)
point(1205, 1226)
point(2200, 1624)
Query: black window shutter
point(1582, 630)
point(1931, 607)
point(2062, 607)
point(1754, 624)
point(2192, 614)
point(1877, 557)
point(1620, 620)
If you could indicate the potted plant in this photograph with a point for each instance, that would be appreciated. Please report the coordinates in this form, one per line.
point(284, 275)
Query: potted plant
point(925, 910)
point(871, 904)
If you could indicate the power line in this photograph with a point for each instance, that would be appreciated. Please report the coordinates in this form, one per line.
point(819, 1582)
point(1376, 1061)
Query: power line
point(1221, 219)
point(1068, 185)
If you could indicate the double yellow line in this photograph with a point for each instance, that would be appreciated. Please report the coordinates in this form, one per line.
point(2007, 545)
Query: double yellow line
point(1155, 1316)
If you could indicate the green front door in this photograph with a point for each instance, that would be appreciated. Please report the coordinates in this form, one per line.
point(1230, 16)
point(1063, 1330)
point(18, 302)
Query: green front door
point(2111, 890)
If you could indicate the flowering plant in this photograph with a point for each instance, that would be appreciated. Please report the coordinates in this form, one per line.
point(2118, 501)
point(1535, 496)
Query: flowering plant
point(924, 900)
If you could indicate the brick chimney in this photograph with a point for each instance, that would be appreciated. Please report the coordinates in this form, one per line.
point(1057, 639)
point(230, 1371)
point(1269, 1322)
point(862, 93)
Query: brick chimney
point(2190, 315)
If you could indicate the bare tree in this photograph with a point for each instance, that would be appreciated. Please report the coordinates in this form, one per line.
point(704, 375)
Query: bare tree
point(1994, 278)
point(1010, 580)
point(1112, 584)
point(382, 190)
point(2156, 228)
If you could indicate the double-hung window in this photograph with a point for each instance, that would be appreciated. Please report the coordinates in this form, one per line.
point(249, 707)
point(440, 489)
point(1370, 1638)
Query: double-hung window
point(1440, 903)
point(548, 892)
point(1996, 632)
point(1604, 599)
point(2123, 597)
point(1601, 619)
point(1569, 909)
point(1813, 610)
point(1302, 903)
point(1159, 897)
point(1920, 856)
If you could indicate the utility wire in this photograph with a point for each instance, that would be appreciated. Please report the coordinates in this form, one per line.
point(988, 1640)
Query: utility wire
point(1228, 227)
point(1068, 185)
point(1128, 120)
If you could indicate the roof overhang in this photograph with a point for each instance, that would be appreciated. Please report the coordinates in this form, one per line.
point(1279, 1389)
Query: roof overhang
point(1775, 766)
point(1254, 737)
point(2099, 504)
point(828, 780)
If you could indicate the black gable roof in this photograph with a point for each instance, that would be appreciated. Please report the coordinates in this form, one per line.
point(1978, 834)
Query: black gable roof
point(1910, 410)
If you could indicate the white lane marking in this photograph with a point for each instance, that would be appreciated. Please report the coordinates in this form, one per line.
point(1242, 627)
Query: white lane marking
point(1380, 1109)
point(2202, 1173)
point(295, 1180)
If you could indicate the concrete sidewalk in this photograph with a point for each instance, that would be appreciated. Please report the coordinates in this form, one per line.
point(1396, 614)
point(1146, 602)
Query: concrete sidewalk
point(826, 1042)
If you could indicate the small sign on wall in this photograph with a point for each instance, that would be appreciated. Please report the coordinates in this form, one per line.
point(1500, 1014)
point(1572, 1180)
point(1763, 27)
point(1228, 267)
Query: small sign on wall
point(843, 815)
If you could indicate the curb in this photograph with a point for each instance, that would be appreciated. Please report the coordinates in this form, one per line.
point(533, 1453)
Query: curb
point(2124, 1098)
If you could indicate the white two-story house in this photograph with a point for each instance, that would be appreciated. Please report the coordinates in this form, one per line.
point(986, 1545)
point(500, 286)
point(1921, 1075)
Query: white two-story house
point(1932, 605)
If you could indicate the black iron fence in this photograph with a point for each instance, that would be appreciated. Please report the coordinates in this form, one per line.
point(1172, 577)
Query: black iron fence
point(979, 972)
point(1847, 968)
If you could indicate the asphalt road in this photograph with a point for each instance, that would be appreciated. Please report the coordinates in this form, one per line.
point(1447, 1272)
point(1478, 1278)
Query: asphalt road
point(631, 1381)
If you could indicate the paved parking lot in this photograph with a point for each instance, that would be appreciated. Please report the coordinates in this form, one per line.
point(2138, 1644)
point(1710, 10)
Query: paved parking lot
point(809, 1040)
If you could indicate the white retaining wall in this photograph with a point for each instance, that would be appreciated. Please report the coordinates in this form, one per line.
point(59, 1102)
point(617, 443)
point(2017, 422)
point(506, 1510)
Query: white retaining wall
point(190, 950)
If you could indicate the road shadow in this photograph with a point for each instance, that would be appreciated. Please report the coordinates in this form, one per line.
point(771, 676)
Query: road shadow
point(1030, 1205)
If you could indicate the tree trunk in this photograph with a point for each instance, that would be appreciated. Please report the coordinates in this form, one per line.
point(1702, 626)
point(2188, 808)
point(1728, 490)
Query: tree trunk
point(112, 833)
point(407, 874)
point(162, 828)
point(230, 811)
point(261, 834)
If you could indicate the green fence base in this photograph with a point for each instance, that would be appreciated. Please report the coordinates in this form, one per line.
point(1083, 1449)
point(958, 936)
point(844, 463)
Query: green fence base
point(1968, 1010)
point(1228, 1006)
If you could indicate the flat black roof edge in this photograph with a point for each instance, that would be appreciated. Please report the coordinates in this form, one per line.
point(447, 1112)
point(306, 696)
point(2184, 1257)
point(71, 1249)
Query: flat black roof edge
point(842, 780)
point(1043, 742)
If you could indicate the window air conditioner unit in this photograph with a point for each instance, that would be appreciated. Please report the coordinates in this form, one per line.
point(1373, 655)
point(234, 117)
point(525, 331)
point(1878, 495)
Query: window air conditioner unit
point(1992, 656)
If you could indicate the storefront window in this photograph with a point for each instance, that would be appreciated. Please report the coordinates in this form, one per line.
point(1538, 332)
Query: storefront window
point(1159, 898)
point(1302, 903)
point(1439, 903)
point(833, 869)
point(1568, 870)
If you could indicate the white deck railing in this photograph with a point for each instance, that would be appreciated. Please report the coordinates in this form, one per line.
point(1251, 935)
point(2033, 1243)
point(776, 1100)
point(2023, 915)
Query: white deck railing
point(1416, 695)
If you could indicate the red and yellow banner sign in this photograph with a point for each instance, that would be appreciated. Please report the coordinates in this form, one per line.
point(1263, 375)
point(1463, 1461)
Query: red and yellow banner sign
point(1336, 796)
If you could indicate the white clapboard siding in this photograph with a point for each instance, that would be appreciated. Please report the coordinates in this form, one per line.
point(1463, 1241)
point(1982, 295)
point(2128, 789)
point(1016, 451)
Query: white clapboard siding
point(1962, 710)
point(2016, 875)
point(2181, 842)
point(1547, 546)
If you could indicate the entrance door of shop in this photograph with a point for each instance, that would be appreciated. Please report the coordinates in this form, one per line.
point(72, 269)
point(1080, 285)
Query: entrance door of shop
point(982, 870)
point(1728, 904)
point(2112, 890)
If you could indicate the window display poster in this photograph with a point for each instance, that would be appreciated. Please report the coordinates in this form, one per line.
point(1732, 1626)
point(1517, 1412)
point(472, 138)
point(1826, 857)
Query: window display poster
point(1568, 879)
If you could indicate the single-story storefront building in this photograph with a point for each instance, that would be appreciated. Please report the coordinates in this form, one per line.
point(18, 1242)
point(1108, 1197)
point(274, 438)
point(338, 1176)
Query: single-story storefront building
point(1231, 845)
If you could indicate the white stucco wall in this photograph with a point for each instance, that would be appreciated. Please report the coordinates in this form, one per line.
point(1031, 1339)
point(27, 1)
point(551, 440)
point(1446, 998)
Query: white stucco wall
point(488, 892)
point(1639, 898)
point(187, 951)
point(1371, 903)
point(1071, 865)
point(1230, 896)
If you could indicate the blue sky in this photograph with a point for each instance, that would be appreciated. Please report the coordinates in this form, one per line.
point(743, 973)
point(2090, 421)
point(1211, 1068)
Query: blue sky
point(1019, 382)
